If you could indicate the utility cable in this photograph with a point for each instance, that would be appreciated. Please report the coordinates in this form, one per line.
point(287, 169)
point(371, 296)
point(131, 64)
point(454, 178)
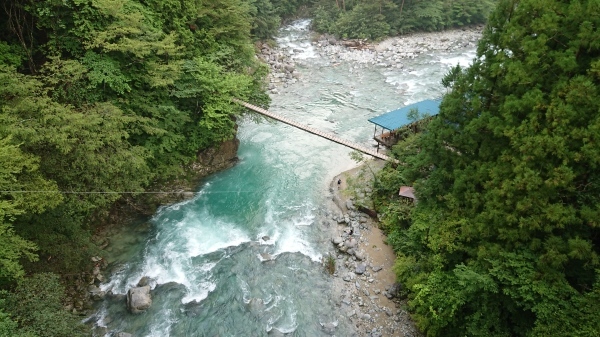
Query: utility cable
point(125, 192)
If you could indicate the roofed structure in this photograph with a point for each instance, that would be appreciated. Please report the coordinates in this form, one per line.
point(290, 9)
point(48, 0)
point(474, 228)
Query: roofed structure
point(398, 118)
point(407, 192)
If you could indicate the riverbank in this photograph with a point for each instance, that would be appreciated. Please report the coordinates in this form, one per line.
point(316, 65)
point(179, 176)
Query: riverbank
point(130, 214)
point(393, 52)
point(364, 282)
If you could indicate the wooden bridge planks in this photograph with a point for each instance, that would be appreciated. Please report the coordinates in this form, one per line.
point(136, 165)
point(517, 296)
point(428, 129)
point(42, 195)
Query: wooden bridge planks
point(314, 131)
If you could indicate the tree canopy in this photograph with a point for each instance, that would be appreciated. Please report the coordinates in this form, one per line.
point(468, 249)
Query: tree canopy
point(367, 19)
point(105, 96)
point(504, 239)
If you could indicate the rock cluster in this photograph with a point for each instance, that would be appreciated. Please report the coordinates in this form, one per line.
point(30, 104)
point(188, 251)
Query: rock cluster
point(364, 286)
point(282, 67)
point(83, 288)
point(372, 306)
point(391, 52)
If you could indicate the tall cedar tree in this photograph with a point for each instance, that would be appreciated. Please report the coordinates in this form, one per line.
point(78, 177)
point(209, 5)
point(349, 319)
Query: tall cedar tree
point(504, 240)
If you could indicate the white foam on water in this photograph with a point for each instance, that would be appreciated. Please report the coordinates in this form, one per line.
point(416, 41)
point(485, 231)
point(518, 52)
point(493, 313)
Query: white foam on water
point(161, 326)
point(274, 319)
point(199, 292)
point(261, 137)
point(99, 318)
point(207, 239)
point(170, 257)
point(292, 241)
point(289, 326)
point(287, 228)
point(245, 291)
point(296, 40)
point(270, 242)
point(272, 302)
point(464, 60)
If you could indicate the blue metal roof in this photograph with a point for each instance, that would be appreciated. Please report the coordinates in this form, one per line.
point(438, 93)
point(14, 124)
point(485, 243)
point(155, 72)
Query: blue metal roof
point(399, 118)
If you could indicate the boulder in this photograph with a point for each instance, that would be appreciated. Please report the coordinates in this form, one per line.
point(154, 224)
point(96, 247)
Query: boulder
point(329, 327)
point(394, 290)
point(360, 268)
point(289, 68)
point(144, 281)
point(360, 255)
point(95, 293)
point(351, 243)
point(349, 204)
point(348, 277)
point(138, 299)
point(266, 257)
point(123, 334)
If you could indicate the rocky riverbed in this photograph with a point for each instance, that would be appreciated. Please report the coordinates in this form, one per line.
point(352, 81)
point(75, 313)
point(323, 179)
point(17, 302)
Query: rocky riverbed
point(365, 294)
point(389, 53)
point(365, 287)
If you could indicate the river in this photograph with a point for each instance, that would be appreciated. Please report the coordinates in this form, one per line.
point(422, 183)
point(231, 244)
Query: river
point(242, 258)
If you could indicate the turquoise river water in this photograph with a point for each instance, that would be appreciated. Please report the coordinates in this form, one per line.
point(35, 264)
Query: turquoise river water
point(206, 255)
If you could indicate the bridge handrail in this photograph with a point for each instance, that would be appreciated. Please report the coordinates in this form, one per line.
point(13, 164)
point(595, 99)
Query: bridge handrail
point(314, 131)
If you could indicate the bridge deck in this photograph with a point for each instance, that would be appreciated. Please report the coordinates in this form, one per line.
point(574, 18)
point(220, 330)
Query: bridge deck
point(314, 131)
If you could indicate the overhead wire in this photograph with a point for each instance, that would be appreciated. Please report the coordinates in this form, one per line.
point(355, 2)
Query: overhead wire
point(124, 192)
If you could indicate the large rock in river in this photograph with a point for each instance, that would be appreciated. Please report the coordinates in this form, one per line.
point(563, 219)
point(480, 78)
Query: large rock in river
point(138, 299)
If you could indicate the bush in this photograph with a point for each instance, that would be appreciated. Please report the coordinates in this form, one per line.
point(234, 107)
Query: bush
point(330, 264)
point(35, 304)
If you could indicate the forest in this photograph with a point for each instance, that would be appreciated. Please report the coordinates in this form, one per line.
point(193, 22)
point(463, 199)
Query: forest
point(376, 19)
point(103, 96)
point(504, 238)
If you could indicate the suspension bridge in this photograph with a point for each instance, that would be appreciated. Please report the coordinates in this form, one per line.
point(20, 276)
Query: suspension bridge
point(316, 132)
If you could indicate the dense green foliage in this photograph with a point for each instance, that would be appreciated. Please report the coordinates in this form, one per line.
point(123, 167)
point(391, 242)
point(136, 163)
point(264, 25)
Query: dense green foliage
point(269, 14)
point(35, 309)
point(109, 95)
point(104, 96)
point(368, 19)
point(505, 237)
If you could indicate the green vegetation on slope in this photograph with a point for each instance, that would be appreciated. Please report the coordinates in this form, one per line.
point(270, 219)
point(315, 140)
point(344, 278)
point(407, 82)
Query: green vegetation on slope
point(505, 237)
point(105, 96)
point(368, 19)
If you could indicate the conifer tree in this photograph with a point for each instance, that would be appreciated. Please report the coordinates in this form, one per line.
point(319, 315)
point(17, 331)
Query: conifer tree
point(505, 238)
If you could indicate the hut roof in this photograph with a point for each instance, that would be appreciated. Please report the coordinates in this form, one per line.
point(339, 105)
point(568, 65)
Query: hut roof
point(407, 191)
point(398, 118)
